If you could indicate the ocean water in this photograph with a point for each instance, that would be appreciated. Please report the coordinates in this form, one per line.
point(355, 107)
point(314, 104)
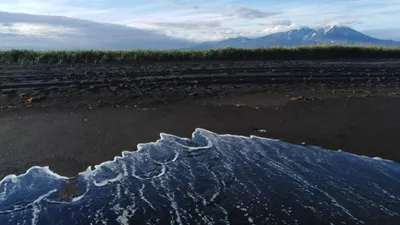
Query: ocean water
point(212, 179)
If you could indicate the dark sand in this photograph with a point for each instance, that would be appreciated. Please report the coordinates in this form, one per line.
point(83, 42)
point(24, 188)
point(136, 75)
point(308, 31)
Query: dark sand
point(69, 141)
point(362, 119)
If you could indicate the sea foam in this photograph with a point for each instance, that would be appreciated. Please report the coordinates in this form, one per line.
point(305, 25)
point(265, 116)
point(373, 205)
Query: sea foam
point(212, 179)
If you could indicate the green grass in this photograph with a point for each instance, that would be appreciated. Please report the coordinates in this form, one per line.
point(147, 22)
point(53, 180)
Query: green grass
point(131, 56)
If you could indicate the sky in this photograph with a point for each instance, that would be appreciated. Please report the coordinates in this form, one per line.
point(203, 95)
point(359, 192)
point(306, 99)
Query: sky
point(195, 20)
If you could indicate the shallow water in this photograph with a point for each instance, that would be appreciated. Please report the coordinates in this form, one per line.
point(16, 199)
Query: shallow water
point(212, 179)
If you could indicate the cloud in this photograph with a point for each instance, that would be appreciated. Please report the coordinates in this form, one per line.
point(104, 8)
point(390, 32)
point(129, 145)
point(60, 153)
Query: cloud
point(283, 22)
point(342, 20)
point(37, 30)
point(189, 25)
point(54, 32)
point(243, 12)
point(281, 28)
point(199, 20)
point(180, 3)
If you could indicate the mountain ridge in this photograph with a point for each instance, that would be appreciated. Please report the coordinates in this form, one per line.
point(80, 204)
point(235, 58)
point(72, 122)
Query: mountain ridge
point(329, 35)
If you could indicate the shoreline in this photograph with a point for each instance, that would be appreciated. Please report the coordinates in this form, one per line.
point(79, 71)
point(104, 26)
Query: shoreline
point(73, 128)
point(72, 190)
point(68, 141)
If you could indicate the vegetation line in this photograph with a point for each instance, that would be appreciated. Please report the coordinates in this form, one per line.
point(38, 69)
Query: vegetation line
point(131, 56)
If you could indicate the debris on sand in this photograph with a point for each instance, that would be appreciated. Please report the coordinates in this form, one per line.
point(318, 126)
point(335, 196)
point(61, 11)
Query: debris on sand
point(29, 100)
point(300, 98)
point(38, 98)
point(262, 130)
point(240, 105)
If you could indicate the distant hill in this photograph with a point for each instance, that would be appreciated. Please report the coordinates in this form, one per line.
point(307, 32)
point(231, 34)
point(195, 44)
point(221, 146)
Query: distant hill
point(330, 35)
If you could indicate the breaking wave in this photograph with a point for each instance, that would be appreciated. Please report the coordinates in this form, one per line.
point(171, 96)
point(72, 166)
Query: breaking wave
point(211, 179)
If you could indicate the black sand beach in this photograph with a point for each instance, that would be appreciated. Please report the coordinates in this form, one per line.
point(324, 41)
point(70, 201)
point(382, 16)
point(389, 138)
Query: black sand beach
point(70, 127)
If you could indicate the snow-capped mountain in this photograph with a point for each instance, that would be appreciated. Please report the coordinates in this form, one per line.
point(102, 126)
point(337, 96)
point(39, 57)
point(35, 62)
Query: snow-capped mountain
point(344, 35)
point(335, 35)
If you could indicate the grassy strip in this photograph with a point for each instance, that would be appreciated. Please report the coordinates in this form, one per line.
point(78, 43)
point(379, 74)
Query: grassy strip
point(94, 56)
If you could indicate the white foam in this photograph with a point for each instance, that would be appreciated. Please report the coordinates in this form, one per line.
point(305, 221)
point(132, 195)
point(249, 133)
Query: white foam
point(256, 137)
point(124, 218)
point(36, 208)
point(163, 136)
point(14, 178)
point(35, 214)
point(90, 172)
point(381, 159)
point(76, 199)
point(141, 193)
point(105, 182)
point(125, 170)
point(163, 170)
point(375, 158)
point(87, 173)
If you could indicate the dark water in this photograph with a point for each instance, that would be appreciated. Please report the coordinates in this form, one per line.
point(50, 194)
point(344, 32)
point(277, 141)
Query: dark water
point(213, 179)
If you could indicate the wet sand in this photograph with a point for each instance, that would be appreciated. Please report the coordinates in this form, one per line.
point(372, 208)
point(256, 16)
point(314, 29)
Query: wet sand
point(71, 140)
point(73, 130)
